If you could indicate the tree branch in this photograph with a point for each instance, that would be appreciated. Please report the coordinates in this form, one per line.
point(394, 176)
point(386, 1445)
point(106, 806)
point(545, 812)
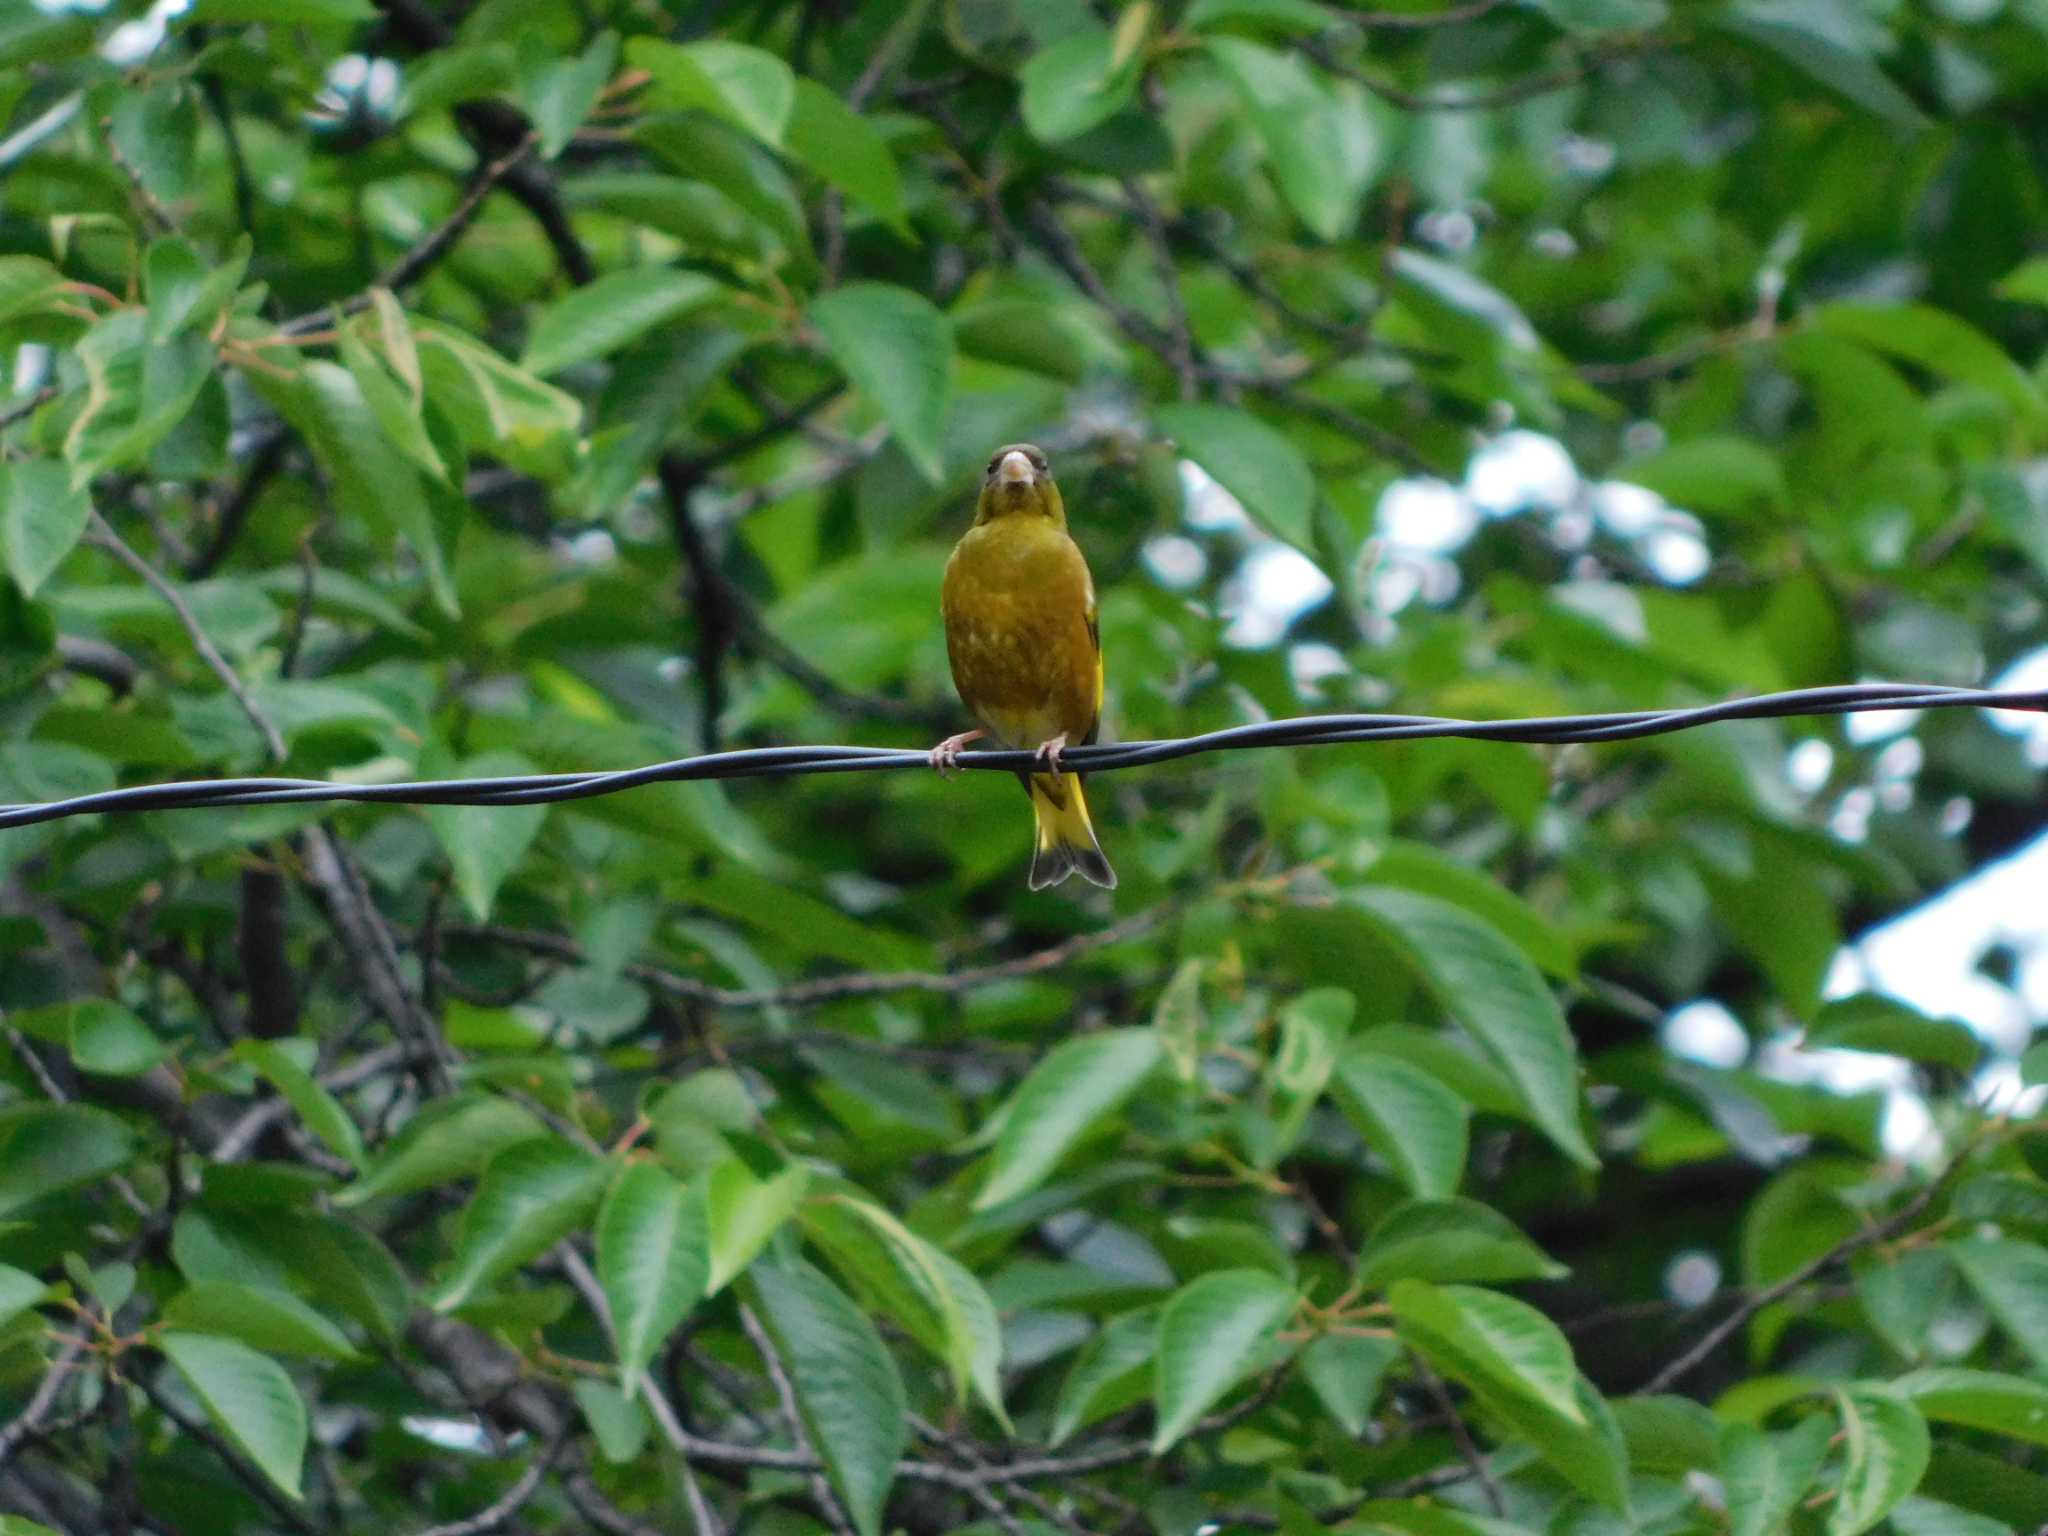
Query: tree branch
point(28, 1423)
point(1756, 1301)
point(265, 460)
point(502, 1510)
point(427, 254)
point(833, 988)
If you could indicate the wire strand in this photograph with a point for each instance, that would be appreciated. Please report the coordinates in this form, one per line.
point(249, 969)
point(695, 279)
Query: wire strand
point(784, 762)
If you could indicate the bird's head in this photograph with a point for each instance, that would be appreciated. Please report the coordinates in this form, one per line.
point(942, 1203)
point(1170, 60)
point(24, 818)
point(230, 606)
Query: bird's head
point(1018, 483)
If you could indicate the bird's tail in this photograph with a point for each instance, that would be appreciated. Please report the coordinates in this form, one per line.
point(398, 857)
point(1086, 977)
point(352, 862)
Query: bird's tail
point(1066, 837)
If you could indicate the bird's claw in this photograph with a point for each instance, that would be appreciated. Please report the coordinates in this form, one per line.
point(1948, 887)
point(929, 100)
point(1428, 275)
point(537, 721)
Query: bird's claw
point(1049, 753)
point(945, 757)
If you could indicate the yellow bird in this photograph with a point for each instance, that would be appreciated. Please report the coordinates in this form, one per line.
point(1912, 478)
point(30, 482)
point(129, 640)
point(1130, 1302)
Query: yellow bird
point(1027, 659)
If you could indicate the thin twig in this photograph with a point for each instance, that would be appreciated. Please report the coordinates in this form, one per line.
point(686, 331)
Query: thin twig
point(1461, 1435)
point(103, 534)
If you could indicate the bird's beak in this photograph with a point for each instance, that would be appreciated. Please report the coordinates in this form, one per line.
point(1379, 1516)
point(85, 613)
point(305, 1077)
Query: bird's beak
point(1015, 469)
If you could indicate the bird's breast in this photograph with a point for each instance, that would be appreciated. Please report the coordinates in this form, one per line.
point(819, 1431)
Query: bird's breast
point(1016, 603)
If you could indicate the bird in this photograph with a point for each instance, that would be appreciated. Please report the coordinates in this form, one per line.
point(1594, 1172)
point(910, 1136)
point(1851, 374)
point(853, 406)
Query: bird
point(1021, 634)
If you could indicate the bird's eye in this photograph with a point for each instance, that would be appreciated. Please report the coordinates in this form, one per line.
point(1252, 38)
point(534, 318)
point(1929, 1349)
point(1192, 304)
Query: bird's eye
point(1038, 461)
point(992, 463)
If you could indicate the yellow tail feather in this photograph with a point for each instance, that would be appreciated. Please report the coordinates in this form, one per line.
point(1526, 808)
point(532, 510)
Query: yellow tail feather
point(1066, 842)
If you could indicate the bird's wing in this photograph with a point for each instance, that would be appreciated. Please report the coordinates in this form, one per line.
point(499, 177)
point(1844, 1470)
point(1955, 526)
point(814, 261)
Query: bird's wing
point(1094, 644)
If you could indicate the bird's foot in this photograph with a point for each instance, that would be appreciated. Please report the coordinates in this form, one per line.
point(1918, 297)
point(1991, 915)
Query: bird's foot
point(1049, 753)
point(946, 755)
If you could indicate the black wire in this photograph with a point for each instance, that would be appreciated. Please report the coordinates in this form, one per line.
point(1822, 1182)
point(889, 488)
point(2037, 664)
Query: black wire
point(782, 762)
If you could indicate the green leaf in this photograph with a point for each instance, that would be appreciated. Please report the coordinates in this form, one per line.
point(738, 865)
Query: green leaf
point(135, 392)
point(313, 1104)
point(1491, 1342)
point(1211, 1332)
point(1075, 84)
point(602, 316)
point(1266, 15)
point(617, 1421)
point(45, 1148)
point(1312, 1031)
point(897, 350)
point(274, 1321)
point(1767, 1476)
point(1668, 1436)
point(42, 518)
point(373, 482)
point(559, 95)
point(2034, 1064)
point(1444, 1240)
point(485, 843)
point(1902, 1293)
point(347, 1270)
point(937, 1301)
point(1322, 147)
point(709, 151)
point(749, 87)
point(249, 1397)
point(1870, 1021)
point(173, 278)
point(494, 403)
point(531, 1196)
point(1178, 1019)
point(448, 1139)
point(1929, 1517)
point(847, 1388)
point(846, 150)
point(2026, 283)
point(1416, 1124)
point(282, 12)
point(1345, 1372)
point(1884, 1454)
point(1940, 342)
point(1729, 475)
point(1078, 1083)
point(744, 1212)
point(2002, 1404)
point(653, 1257)
point(110, 1041)
point(2011, 1279)
point(1849, 73)
point(19, 1290)
point(28, 285)
point(1249, 459)
point(1418, 867)
point(398, 413)
point(1112, 1372)
point(1491, 988)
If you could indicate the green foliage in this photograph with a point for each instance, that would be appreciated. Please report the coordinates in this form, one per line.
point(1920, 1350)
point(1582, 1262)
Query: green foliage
point(520, 386)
